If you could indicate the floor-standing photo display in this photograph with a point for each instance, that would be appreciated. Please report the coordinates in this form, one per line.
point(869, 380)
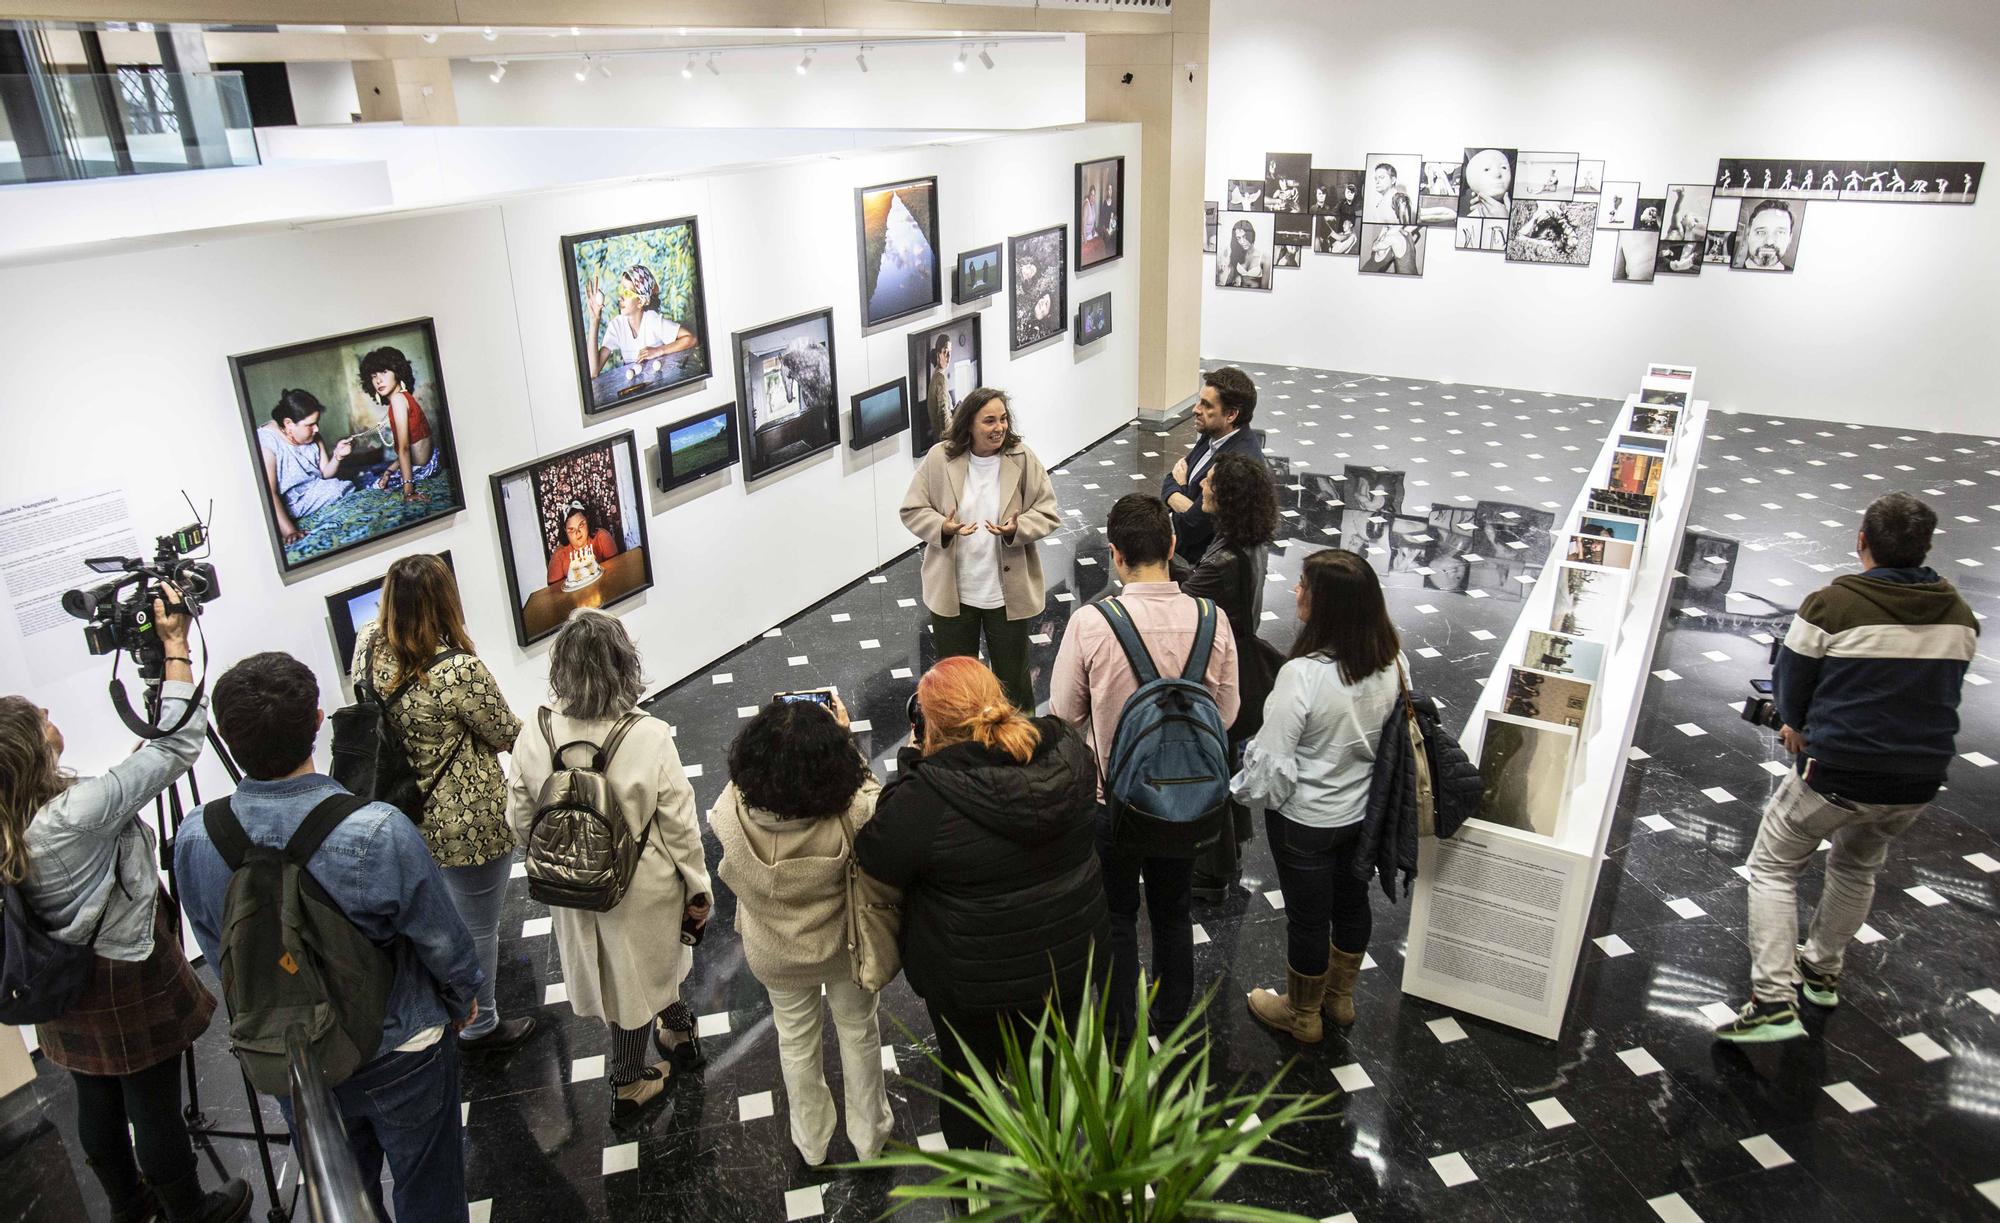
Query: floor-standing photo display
point(944, 369)
point(350, 437)
point(785, 393)
point(1039, 292)
point(896, 234)
point(573, 533)
point(638, 320)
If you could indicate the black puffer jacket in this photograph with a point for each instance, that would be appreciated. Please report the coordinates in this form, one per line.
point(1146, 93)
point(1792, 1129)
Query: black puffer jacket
point(998, 866)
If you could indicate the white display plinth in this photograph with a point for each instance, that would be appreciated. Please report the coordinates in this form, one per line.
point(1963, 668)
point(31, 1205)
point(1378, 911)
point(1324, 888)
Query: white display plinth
point(1497, 915)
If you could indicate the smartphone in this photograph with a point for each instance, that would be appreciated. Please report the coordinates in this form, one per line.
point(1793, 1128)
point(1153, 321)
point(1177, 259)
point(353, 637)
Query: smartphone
point(1761, 686)
point(819, 696)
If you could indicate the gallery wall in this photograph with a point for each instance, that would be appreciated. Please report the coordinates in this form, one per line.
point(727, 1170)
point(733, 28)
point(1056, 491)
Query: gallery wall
point(155, 413)
point(1888, 318)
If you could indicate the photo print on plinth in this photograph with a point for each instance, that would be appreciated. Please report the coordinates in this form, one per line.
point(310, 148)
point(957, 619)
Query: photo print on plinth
point(637, 313)
point(1589, 176)
point(1545, 176)
point(786, 400)
point(1247, 255)
point(1665, 396)
point(697, 446)
point(878, 413)
point(1618, 205)
point(1767, 235)
point(1336, 235)
point(1598, 550)
point(1437, 203)
point(1545, 696)
point(1527, 766)
point(1644, 443)
point(1039, 293)
point(1100, 212)
point(896, 231)
point(1093, 320)
point(350, 439)
point(1210, 222)
point(1720, 243)
point(1876, 181)
point(1612, 526)
point(572, 533)
point(1389, 190)
point(1246, 195)
point(1393, 250)
point(1619, 502)
point(1657, 419)
point(1562, 654)
point(1285, 179)
point(354, 609)
point(1590, 601)
point(977, 276)
point(1551, 231)
point(944, 368)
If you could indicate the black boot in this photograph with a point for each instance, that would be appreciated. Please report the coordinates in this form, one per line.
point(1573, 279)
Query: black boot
point(186, 1203)
point(132, 1200)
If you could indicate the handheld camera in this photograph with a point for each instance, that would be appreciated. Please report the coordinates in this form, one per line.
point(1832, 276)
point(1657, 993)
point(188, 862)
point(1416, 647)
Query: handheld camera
point(113, 623)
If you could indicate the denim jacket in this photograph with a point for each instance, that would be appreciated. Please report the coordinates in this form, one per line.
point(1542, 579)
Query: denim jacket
point(376, 867)
point(88, 854)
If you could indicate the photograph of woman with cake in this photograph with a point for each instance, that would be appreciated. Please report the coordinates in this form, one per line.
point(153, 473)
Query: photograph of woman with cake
point(351, 438)
point(573, 531)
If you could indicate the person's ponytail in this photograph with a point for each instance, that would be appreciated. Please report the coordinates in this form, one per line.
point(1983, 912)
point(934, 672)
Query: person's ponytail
point(962, 700)
point(1002, 726)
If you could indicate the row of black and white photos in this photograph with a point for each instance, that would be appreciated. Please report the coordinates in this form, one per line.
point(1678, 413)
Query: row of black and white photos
point(1900, 182)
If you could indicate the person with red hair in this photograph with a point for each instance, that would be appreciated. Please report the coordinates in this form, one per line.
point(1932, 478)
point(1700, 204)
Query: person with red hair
point(989, 827)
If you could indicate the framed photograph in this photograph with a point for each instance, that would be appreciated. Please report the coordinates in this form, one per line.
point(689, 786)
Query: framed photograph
point(1337, 193)
point(896, 234)
point(1093, 320)
point(1479, 234)
point(1393, 250)
point(1663, 374)
point(1246, 195)
point(1545, 696)
point(1291, 229)
point(1285, 179)
point(1393, 179)
point(350, 439)
point(1589, 177)
point(1336, 235)
point(879, 413)
point(1210, 222)
point(1486, 183)
point(1686, 216)
point(977, 276)
point(1720, 243)
point(1618, 205)
point(1563, 654)
point(944, 369)
point(1437, 203)
point(698, 446)
point(1100, 212)
point(352, 610)
point(572, 532)
point(1652, 212)
point(637, 315)
point(1597, 550)
point(1590, 601)
point(1634, 261)
point(1248, 251)
point(787, 405)
point(1553, 232)
point(1288, 256)
point(1039, 292)
point(1767, 235)
point(1527, 766)
point(1545, 176)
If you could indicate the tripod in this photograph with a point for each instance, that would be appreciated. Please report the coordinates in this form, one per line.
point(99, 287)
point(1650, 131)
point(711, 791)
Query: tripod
point(168, 810)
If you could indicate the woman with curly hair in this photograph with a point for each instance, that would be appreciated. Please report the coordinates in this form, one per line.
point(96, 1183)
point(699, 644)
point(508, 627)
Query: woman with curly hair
point(797, 792)
point(386, 377)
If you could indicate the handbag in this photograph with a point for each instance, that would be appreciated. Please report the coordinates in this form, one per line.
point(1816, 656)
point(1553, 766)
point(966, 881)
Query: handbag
point(874, 922)
point(41, 976)
point(369, 755)
point(1426, 796)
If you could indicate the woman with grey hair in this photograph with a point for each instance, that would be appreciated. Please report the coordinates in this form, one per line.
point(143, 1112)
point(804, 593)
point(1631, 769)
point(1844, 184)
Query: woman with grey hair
point(625, 965)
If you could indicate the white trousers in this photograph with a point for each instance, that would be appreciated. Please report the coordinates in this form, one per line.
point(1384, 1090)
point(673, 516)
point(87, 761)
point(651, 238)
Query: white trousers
point(797, 1014)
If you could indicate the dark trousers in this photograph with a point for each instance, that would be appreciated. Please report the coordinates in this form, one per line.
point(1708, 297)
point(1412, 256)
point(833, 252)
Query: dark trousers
point(1323, 899)
point(150, 1102)
point(1168, 885)
point(1006, 647)
point(979, 1030)
point(404, 1107)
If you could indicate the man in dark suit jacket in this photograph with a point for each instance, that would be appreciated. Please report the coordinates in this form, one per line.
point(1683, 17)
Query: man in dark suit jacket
point(1222, 416)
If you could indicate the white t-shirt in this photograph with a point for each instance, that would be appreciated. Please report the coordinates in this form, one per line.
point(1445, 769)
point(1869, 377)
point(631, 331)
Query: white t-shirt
point(654, 331)
point(978, 554)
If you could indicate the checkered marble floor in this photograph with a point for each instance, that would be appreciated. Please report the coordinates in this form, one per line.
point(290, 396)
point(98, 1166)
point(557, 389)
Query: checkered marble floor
point(1891, 1111)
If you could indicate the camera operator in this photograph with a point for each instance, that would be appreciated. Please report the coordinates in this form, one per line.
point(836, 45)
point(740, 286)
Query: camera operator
point(1867, 689)
point(84, 862)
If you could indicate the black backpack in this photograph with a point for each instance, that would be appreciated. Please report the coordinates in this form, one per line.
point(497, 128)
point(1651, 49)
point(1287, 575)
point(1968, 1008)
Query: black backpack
point(580, 852)
point(290, 954)
point(368, 755)
point(1166, 778)
point(40, 977)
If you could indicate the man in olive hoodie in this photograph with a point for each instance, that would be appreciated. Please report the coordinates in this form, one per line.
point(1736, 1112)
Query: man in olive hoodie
point(1867, 685)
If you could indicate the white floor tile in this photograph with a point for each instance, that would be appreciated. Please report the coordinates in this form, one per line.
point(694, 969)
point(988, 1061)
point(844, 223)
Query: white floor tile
point(518, 871)
point(1446, 1030)
point(1637, 753)
point(754, 1107)
point(1673, 1209)
point(1849, 1097)
point(807, 1203)
point(1981, 759)
point(1984, 862)
point(1990, 1190)
point(1276, 897)
point(933, 1141)
point(1200, 935)
point(1367, 961)
point(1765, 1151)
point(1657, 823)
point(1640, 1062)
point(534, 927)
point(1686, 908)
point(1988, 998)
point(1742, 872)
point(1716, 794)
point(584, 1069)
point(712, 1025)
point(1551, 1113)
point(555, 993)
point(1613, 946)
point(1717, 1013)
point(480, 1211)
point(1868, 934)
point(1691, 730)
point(1352, 1077)
point(1452, 1169)
point(1776, 768)
point(889, 1062)
point(1924, 1047)
point(1666, 676)
point(1924, 895)
point(622, 1158)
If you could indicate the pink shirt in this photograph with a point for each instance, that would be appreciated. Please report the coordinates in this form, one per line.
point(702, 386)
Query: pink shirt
point(1092, 680)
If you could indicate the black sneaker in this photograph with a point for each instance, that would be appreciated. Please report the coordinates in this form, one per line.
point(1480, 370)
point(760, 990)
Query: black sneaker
point(1760, 1023)
point(506, 1035)
point(1820, 988)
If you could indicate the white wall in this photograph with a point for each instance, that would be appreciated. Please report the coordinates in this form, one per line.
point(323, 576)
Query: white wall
point(776, 241)
point(1032, 84)
point(1889, 318)
point(323, 91)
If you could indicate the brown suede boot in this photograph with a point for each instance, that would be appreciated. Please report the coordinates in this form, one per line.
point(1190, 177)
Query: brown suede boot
point(1294, 1012)
point(1341, 969)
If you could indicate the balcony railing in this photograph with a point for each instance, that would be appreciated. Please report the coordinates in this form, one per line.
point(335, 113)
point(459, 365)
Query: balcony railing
point(139, 120)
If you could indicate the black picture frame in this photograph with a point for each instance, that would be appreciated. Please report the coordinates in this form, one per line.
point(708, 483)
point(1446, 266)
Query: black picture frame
point(859, 438)
point(673, 475)
point(257, 395)
point(817, 426)
point(532, 620)
point(1085, 315)
point(928, 224)
point(685, 372)
point(1111, 242)
point(1048, 251)
point(922, 435)
point(340, 610)
point(960, 294)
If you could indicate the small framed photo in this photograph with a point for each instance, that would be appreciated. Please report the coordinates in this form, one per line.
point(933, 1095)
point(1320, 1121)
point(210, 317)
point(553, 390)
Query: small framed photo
point(637, 315)
point(1209, 224)
point(1767, 235)
point(1246, 195)
point(1545, 176)
point(1618, 205)
point(785, 392)
point(1093, 320)
point(1589, 177)
point(352, 610)
point(572, 532)
point(1100, 212)
point(879, 413)
point(896, 234)
point(944, 368)
point(978, 275)
point(1392, 180)
point(697, 446)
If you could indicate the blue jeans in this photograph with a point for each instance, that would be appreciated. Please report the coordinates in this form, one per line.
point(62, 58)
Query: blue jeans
point(1324, 902)
point(477, 893)
point(404, 1107)
point(1169, 895)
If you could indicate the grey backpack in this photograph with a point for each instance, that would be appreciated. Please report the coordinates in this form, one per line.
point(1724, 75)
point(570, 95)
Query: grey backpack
point(581, 853)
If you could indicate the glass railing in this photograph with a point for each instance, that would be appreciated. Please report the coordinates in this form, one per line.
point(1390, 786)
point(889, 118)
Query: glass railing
point(138, 120)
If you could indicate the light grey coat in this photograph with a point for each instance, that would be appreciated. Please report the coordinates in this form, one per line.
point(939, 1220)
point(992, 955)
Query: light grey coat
point(1026, 495)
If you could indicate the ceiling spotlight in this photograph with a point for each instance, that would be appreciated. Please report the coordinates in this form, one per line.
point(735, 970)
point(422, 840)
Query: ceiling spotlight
point(583, 71)
point(687, 70)
point(429, 36)
point(712, 69)
point(861, 59)
point(986, 55)
point(962, 53)
point(488, 34)
point(806, 61)
point(575, 32)
point(499, 70)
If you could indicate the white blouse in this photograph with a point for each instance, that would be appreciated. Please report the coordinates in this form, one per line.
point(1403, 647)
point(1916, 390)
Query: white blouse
point(1315, 754)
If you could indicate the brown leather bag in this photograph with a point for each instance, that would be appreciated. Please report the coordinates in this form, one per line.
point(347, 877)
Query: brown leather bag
point(874, 923)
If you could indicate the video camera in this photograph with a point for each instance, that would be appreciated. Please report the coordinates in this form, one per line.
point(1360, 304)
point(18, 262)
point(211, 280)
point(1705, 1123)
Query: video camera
point(1761, 709)
point(112, 623)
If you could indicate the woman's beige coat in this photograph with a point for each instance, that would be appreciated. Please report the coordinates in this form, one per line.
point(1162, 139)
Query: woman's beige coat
point(1025, 494)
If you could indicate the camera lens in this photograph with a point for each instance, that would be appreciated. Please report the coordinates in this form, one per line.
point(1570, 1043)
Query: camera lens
point(84, 604)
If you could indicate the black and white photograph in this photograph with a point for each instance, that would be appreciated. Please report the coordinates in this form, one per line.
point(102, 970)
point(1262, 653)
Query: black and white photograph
point(1486, 183)
point(1589, 176)
point(1552, 232)
point(1590, 601)
point(1336, 193)
point(1679, 258)
point(1246, 195)
point(1100, 212)
point(1371, 490)
point(573, 532)
point(1389, 192)
point(1527, 766)
point(896, 234)
point(1618, 205)
point(1505, 531)
point(1093, 320)
point(1686, 216)
point(1563, 654)
point(1479, 234)
point(1898, 182)
point(1657, 420)
point(1285, 179)
point(1723, 214)
point(1288, 256)
point(1652, 212)
point(1437, 202)
point(1767, 236)
point(1210, 222)
point(1336, 235)
point(1545, 176)
point(1545, 696)
point(1635, 259)
point(1246, 259)
point(878, 413)
point(944, 369)
point(786, 399)
point(978, 275)
point(1291, 228)
point(1621, 503)
point(1675, 397)
point(1393, 250)
point(1039, 290)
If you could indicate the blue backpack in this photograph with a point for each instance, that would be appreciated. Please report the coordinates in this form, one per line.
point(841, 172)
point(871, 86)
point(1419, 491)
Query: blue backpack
point(1167, 780)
